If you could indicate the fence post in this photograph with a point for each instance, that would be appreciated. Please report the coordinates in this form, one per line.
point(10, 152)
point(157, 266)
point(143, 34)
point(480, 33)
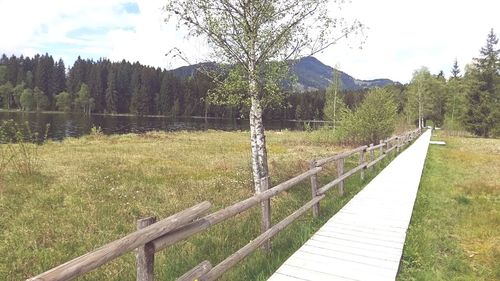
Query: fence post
point(145, 255)
point(397, 144)
point(340, 172)
point(314, 189)
point(361, 160)
point(372, 155)
point(266, 216)
point(382, 148)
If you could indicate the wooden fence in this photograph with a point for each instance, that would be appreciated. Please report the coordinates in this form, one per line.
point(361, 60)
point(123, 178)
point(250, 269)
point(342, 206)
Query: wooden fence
point(153, 236)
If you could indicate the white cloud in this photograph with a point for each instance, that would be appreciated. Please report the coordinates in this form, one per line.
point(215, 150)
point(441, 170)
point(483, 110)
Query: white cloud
point(402, 36)
point(40, 25)
point(152, 38)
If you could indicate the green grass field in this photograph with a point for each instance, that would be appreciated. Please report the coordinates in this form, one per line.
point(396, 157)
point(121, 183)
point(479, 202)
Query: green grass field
point(90, 191)
point(455, 228)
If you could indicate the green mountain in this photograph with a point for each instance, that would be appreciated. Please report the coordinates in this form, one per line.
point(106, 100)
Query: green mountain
point(312, 75)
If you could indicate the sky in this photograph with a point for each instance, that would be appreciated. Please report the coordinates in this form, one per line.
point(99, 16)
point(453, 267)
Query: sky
point(401, 35)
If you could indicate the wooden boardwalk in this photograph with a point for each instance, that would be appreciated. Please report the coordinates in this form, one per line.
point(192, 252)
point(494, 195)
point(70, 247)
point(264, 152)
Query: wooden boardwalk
point(365, 239)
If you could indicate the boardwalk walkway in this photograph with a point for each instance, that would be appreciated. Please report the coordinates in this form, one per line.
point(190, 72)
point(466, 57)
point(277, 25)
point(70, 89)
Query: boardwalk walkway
point(365, 239)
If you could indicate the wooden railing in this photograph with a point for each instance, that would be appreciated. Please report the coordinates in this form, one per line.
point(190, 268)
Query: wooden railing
point(153, 236)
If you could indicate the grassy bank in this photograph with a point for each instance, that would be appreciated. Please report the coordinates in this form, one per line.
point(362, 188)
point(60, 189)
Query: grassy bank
point(90, 191)
point(455, 229)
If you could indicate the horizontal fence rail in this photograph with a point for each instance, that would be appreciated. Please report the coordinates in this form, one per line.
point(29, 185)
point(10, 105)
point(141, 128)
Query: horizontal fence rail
point(92, 260)
point(154, 236)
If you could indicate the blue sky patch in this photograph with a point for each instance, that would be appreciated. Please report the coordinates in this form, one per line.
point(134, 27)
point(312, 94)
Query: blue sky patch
point(86, 32)
point(131, 8)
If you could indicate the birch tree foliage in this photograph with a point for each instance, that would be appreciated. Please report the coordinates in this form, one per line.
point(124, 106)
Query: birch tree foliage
point(232, 89)
point(335, 108)
point(419, 94)
point(251, 34)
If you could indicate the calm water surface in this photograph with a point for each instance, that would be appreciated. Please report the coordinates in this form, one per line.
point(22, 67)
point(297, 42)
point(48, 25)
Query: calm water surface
point(64, 125)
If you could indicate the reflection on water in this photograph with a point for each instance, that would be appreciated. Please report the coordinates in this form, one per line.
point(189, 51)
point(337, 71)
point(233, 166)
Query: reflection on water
point(73, 125)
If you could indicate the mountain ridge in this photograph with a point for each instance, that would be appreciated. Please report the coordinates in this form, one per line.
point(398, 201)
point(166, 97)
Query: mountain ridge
point(312, 75)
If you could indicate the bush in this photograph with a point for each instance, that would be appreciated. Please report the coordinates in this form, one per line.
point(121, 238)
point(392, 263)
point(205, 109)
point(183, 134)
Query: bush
point(373, 120)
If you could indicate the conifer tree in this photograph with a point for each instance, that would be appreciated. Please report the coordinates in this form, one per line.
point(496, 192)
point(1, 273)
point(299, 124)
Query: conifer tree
point(58, 79)
point(482, 116)
point(163, 96)
point(111, 92)
point(456, 100)
point(455, 71)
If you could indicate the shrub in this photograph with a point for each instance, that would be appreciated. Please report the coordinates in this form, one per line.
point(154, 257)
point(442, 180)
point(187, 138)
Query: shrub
point(373, 120)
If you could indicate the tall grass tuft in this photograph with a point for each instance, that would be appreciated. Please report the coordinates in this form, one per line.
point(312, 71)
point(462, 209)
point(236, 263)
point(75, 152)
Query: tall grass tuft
point(5, 158)
point(19, 147)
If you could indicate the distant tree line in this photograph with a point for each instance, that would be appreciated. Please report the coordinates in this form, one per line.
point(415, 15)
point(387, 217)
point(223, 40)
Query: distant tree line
point(102, 86)
point(470, 101)
point(41, 83)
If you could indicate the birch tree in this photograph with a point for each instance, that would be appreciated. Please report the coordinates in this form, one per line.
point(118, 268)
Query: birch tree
point(250, 34)
point(334, 103)
point(419, 92)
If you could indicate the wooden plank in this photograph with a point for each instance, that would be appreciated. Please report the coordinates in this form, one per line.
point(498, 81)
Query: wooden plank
point(110, 251)
point(373, 147)
point(307, 274)
point(362, 240)
point(356, 249)
point(387, 151)
point(379, 250)
point(398, 239)
point(308, 252)
point(339, 267)
point(336, 157)
point(196, 272)
point(282, 277)
point(366, 229)
point(365, 239)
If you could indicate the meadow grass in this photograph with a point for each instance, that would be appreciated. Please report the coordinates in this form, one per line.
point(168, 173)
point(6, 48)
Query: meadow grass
point(91, 190)
point(455, 229)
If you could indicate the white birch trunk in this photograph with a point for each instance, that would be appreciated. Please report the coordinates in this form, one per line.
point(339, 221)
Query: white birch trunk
point(259, 152)
point(335, 109)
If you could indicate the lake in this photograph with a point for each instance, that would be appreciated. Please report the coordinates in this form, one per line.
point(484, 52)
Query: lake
point(64, 125)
